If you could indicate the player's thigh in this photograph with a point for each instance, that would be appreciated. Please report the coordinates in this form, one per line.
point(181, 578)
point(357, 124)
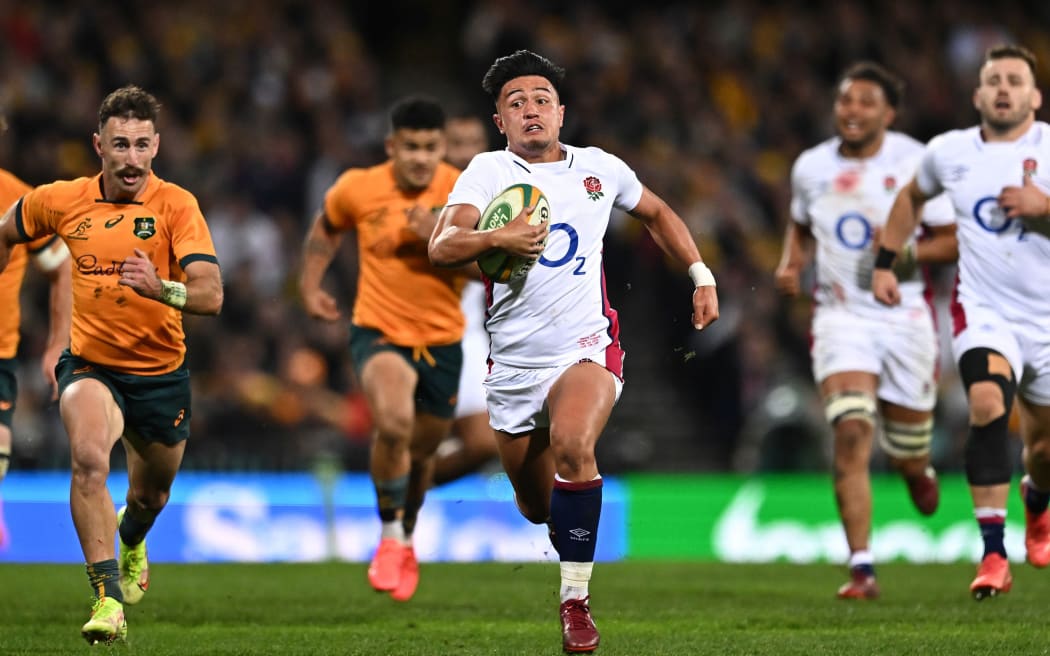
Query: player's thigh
point(93, 420)
point(152, 466)
point(1035, 423)
point(389, 382)
point(476, 433)
point(580, 402)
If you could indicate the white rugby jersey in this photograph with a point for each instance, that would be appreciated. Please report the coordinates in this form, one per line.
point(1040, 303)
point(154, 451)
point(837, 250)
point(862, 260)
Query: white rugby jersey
point(843, 200)
point(560, 311)
point(1003, 263)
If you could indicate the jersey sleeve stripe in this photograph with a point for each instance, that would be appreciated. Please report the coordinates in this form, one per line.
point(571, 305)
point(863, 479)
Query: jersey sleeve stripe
point(18, 221)
point(198, 257)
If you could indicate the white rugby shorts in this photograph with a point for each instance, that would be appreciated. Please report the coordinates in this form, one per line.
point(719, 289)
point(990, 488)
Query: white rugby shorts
point(901, 352)
point(517, 398)
point(1025, 346)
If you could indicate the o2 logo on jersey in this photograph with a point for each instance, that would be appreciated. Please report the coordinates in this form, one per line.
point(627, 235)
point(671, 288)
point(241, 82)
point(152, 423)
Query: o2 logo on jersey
point(990, 216)
point(572, 247)
point(853, 231)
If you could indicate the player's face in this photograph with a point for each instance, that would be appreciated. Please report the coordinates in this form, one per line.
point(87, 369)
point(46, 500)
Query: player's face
point(126, 147)
point(1006, 96)
point(529, 114)
point(416, 155)
point(466, 138)
point(862, 114)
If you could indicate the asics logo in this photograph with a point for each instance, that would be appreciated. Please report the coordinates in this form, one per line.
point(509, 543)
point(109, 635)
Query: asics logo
point(178, 419)
point(5, 405)
point(114, 221)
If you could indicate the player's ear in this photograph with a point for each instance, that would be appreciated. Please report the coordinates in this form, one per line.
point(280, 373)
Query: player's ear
point(1037, 99)
point(499, 122)
point(96, 141)
point(891, 116)
point(388, 145)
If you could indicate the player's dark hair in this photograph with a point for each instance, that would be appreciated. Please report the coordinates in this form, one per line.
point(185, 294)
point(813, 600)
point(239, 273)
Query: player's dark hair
point(1012, 51)
point(522, 62)
point(129, 101)
point(417, 113)
point(892, 86)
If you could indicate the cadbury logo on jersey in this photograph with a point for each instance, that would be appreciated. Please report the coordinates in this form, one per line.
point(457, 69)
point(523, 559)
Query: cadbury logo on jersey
point(145, 227)
point(89, 265)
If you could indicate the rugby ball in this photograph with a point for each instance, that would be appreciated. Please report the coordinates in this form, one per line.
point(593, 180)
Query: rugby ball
point(498, 265)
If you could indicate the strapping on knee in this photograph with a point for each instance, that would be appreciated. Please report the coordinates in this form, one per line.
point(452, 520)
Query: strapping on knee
point(904, 440)
point(850, 405)
point(975, 367)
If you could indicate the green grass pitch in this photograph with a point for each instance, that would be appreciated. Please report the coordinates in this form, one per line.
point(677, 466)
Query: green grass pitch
point(641, 608)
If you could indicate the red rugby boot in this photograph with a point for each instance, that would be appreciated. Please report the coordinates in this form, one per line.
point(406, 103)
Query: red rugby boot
point(406, 586)
point(861, 585)
point(578, 632)
point(385, 571)
point(993, 577)
point(1036, 532)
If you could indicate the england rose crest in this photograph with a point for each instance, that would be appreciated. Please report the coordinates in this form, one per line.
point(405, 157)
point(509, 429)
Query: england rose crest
point(593, 186)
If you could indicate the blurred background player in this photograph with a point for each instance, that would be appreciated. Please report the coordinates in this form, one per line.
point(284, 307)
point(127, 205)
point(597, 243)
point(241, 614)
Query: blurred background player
point(472, 443)
point(144, 256)
point(406, 326)
point(51, 257)
point(553, 384)
point(997, 175)
point(870, 361)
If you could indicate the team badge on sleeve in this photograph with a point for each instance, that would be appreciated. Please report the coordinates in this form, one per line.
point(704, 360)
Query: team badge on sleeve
point(145, 227)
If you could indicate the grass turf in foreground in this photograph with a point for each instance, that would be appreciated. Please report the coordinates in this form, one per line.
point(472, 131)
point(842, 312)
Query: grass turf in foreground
point(499, 608)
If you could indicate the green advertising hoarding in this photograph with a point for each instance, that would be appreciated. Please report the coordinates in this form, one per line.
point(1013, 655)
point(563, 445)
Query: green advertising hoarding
point(792, 518)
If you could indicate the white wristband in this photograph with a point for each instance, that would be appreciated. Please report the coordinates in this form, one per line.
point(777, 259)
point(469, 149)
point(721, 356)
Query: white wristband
point(701, 275)
point(173, 293)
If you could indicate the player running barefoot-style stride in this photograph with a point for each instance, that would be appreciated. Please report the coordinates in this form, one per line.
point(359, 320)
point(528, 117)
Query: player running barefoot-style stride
point(872, 362)
point(557, 365)
point(997, 175)
point(142, 257)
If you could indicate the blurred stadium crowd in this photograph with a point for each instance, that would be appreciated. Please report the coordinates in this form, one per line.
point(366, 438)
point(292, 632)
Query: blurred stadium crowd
point(265, 102)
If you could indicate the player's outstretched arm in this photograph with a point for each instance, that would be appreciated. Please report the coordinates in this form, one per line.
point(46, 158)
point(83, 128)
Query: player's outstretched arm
point(672, 236)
